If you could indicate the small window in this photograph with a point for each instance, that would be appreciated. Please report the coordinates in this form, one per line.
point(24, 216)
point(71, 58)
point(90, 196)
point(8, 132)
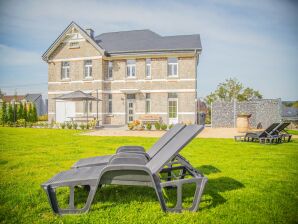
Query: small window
point(131, 68)
point(172, 95)
point(74, 45)
point(88, 68)
point(65, 67)
point(110, 70)
point(110, 105)
point(172, 67)
point(148, 68)
point(148, 103)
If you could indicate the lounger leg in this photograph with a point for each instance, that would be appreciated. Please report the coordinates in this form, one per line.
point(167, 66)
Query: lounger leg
point(51, 193)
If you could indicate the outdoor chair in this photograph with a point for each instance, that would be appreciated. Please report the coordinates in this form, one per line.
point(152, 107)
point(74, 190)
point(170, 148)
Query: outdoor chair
point(282, 133)
point(257, 136)
point(102, 160)
point(135, 171)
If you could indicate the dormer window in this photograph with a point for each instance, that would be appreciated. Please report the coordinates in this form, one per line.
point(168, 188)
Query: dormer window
point(65, 70)
point(74, 45)
point(88, 69)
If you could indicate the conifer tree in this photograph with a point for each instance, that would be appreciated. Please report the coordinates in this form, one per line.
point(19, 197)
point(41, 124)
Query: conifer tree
point(25, 116)
point(10, 113)
point(34, 114)
point(29, 114)
point(21, 111)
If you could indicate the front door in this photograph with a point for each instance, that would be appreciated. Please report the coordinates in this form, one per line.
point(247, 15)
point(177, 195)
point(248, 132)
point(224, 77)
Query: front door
point(130, 110)
point(173, 111)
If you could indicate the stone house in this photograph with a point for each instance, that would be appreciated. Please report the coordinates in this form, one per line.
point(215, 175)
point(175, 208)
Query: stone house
point(134, 73)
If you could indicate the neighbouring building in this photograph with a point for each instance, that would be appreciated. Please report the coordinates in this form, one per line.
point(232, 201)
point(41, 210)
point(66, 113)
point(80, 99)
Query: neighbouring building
point(28, 98)
point(133, 72)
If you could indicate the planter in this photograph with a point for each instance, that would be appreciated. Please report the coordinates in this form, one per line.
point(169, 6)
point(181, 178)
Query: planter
point(243, 122)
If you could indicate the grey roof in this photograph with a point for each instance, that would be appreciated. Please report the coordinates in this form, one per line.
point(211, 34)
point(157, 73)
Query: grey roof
point(32, 97)
point(76, 96)
point(146, 40)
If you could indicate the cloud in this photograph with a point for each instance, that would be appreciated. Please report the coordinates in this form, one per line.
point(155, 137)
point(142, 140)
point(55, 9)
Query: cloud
point(10, 56)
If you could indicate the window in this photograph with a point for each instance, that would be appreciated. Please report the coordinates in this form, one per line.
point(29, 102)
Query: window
point(148, 68)
point(172, 67)
point(87, 107)
point(110, 106)
point(65, 70)
point(74, 45)
point(172, 108)
point(131, 96)
point(131, 68)
point(172, 95)
point(110, 70)
point(88, 69)
point(148, 103)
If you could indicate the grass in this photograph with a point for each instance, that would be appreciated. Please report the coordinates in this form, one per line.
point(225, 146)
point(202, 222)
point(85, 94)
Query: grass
point(293, 132)
point(248, 182)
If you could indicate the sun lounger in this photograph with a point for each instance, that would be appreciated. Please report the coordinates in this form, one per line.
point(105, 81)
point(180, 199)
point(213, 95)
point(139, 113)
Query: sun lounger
point(282, 133)
point(256, 136)
point(134, 170)
point(102, 160)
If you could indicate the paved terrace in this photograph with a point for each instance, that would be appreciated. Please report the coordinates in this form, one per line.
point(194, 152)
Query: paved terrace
point(206, 133)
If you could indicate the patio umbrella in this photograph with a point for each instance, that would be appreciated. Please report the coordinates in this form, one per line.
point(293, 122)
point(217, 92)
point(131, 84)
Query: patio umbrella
point(79, 96)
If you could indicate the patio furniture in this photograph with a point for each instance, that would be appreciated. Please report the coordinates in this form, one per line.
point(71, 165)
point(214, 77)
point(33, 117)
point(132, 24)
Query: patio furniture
point(136, 171)
point(282, 133)
point(255, 136)
point(102, 160)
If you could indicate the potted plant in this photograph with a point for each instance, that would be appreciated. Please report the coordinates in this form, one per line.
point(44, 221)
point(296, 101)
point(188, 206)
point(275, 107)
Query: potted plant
point(242, 122)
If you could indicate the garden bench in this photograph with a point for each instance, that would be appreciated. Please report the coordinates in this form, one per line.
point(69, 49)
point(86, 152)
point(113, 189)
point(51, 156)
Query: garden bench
point(150, 118)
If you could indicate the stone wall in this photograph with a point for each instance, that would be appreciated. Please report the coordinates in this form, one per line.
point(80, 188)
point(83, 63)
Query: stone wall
point(264, 112)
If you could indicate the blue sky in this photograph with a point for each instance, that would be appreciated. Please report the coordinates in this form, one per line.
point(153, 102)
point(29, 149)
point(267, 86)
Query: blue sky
point(254, 41)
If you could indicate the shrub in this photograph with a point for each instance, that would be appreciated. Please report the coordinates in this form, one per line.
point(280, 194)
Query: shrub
point(92, 123)
point(43, 118)
point(157, 126)
point(62, 125)
point(82, 126)
point(170, 126)
point(163, 127)
point(21, 123)
point(148, 126)
point(75, 125)
point(69, 125)
point(29, 124)
point(130, 126)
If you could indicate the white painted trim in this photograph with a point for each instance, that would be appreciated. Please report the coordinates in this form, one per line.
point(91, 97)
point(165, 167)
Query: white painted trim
point(76, 59)
point(186, 113)
point(121, 113)
point(122, 81)
point(142, 91)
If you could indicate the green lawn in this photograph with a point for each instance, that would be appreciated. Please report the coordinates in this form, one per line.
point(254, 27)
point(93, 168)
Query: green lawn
point(248, 182)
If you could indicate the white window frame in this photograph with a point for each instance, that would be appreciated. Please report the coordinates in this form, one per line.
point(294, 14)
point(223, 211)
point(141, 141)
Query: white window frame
point(148, 102)
point(110, 103)
point(148, 68)
point(74, 44)
point(87, 69)
point(173, 99)
point(65, 70)
point(130, 68)
point(171, 66)
point(110, 70)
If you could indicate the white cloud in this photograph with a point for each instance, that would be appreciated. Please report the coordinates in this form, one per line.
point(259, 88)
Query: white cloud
point(15, 57)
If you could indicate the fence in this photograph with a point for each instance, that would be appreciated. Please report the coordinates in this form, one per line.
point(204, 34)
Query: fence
point(264, 112)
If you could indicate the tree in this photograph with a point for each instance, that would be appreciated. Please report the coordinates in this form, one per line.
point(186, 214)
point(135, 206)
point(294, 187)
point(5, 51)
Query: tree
point(1, 94)
point(34, 114)
point(10, 113)
point(4, 113)
point(29, 114)
point(21, 111)
point(25, 114)
point(231, 90)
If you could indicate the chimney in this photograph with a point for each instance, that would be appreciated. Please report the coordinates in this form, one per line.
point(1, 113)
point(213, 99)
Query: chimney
point(90, 32)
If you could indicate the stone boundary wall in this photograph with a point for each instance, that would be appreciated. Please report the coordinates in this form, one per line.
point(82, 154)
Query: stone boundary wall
point(265, 112)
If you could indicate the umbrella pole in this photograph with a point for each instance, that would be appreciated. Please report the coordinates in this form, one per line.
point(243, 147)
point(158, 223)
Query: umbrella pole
point(87, 110)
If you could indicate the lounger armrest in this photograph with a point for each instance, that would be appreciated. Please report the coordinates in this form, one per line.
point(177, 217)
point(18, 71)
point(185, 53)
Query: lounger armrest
point(134, 149)
point(129, 156)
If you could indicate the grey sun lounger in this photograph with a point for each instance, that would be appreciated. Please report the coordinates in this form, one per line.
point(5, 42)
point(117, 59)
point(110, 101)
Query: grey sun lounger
point(282, 133)
point(102, 160)
point(256, 136)
point(137, 171)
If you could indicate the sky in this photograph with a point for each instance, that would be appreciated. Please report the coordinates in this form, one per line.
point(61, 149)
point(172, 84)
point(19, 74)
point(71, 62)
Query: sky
point(253, 41)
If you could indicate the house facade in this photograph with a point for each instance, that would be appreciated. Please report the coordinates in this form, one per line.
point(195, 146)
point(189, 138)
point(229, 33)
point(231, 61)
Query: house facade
point(134, 73)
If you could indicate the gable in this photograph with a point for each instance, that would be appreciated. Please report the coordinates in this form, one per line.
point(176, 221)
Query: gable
point(73, 42)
